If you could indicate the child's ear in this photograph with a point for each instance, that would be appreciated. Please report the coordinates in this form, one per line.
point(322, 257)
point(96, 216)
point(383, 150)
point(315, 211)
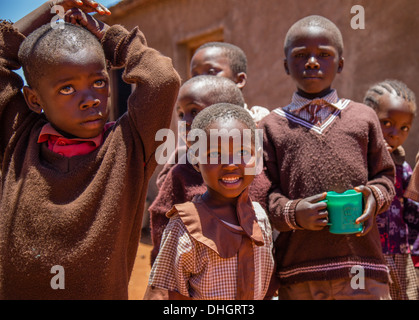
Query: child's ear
point(286, 66)
point(341, 63)
point(241, 79)
point(32, 99)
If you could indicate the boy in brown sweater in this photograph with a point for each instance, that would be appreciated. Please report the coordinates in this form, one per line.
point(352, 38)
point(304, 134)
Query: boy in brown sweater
point(73, 186)
point(321, 143)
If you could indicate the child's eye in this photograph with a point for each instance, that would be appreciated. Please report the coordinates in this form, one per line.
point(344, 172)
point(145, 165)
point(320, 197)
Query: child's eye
point(324, 54)
point(213, 154)
point(405, 129)
point(180, 115)
point(67, 90)
point(212, 72)
point(99, 84)
point(243, 153)
point(386, 123)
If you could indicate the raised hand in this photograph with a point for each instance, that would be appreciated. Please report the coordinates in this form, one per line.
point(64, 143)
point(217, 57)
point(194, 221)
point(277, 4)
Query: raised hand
point(84, 5)
point(78, 17)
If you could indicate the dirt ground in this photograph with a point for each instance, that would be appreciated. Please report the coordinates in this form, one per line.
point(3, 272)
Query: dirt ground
point(141, 271)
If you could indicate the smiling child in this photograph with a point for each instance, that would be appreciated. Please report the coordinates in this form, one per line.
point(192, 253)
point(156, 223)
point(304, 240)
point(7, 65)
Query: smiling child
point(219, 245)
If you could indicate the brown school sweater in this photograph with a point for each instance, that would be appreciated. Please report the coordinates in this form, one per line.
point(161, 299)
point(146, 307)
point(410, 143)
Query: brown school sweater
point(82, 213)
point(180, 185)
point(303, 161)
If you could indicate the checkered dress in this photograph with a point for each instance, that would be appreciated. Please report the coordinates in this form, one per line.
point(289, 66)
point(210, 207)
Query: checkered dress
point(192, 269)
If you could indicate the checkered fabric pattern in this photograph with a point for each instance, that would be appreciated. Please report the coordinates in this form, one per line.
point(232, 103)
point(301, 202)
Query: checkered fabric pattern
point(189, 267)
point(403, 284)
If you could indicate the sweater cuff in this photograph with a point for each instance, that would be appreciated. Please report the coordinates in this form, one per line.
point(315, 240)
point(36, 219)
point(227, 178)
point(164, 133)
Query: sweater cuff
point(11, 40)
point(382, 204)
point(112, 42)
point(289, 214)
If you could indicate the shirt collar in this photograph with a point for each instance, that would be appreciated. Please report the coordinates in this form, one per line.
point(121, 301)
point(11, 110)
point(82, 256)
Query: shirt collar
point(48, 131)
point(204, 226)
point(299, 101)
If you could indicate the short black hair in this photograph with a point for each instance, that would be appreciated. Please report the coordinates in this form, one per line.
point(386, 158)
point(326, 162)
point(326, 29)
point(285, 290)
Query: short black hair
point(219, 111)
point(218, 89)
point(40, 47)
point(393, 87)
point(315, 21)
point(236, 56)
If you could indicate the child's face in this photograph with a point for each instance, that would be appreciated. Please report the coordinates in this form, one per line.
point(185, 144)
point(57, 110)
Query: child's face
point(226, 181)
point(74, 94)
point(190, 102)
point(312, 60)
point(212, 61)
point(396, 120)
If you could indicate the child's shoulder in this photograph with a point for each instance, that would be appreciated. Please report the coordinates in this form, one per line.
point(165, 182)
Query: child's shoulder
point(355, 106)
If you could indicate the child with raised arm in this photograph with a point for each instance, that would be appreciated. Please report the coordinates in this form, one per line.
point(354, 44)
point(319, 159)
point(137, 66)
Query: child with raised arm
point(219, 245)
point(320, 143)
point(181, 180)
point(395, 105)
point(74, 185)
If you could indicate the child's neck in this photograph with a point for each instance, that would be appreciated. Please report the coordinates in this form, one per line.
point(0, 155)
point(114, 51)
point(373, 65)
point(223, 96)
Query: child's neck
point(224, 210)
point(312, 96)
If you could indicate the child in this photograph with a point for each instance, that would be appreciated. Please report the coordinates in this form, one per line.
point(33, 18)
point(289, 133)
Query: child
point(219, 245)
point(225, 60)
point(73, 186)
point(181, 181)
point(321, 143)
point(195, 95)
point(395, 105)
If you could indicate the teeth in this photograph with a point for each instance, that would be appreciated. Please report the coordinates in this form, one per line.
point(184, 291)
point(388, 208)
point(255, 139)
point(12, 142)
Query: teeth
point(230, 180)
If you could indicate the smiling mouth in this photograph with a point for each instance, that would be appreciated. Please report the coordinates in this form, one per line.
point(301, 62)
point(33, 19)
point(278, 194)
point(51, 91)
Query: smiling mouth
point(230, 180)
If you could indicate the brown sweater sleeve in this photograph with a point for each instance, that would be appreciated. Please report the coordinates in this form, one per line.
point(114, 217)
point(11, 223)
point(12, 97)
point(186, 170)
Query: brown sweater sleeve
point(281, 209)
point(13, 109)
point(156, 82)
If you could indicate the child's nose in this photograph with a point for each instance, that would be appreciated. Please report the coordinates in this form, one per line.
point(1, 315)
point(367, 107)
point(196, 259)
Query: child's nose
point(312, 63)
point(89, 101)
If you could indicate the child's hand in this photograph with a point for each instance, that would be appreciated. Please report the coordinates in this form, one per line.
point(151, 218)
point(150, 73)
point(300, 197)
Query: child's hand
point(368, 215)
point(84, 5)
point(311, 214)
point(78, 17)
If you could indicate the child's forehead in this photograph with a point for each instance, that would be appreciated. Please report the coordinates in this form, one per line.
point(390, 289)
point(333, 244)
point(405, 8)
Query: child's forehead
point(391, 102)
point(304, 35)
point(210, 55)
point(193, 91)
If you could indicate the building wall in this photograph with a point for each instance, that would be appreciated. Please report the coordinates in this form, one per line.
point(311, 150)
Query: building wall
point(386, 48)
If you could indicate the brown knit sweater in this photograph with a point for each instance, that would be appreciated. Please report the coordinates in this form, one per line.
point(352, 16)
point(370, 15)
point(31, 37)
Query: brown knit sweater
point(301, 162)
point(82, 213)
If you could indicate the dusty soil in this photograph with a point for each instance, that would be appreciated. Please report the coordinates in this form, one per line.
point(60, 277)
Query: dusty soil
point(141, 271)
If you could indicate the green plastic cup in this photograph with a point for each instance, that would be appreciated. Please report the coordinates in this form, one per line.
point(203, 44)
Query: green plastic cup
point(344, 209)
